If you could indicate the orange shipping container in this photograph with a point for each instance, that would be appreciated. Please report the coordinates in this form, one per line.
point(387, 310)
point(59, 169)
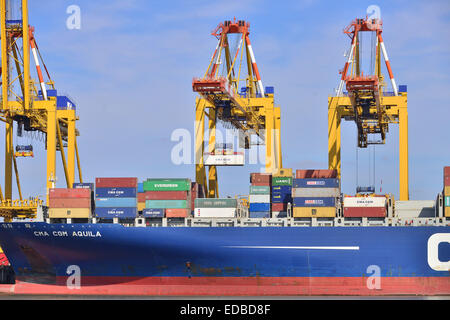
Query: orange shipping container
point(176, 213)
point(63, 193)
point(70, 203)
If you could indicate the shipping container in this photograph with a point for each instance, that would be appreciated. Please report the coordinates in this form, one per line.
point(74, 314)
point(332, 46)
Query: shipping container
point(141, 206)
point(256, 214)
point(167, 185)
point(447, 201)
point(214, 212)
point(447, 181)
point(215, 203)
point(314, 202)
point(259, 198)
point(140, 187)
point(153, 213)
point(283, 173)
point(116, 182)
point(282, 189)
point(260, 178)
point(259, 207)
point(447, 212)
point(176, 213)
point(278, 198)
point(164, 204)
point(279, 206)
point(316, 192)
point(262, 184)
point(365, 202)
point(117, 212)
point(318, 212)
point(66, 213)
point(368, 212)
point(115, 202)
point(115, 192)
point(446, 191)
point(83, 185)
point(446, 171)
point(316, 183)
point(282, 181)
point(69, 193)
point(163, 195)
point(279, 214)
point(259, 190)
point(70, 203)
point(316, 174)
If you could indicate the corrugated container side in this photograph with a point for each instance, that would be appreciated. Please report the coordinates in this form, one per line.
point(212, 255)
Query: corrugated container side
point(115, 202)
point(282, 189)
point(176, 213)
point(166, 204)
point(259, 207)
point(368, 212)
point(261, 184)
point(446, 191)
point(116, 212)
point(141, 206)
point(69, 193)
point(215, 203)
point(70, 203)
point(447, 181)
point(447, 171)
point(281, 181)
point(115, 192)
point(316, 192)
point(365, 202)
point(314, 202)
point(260, 178)
point(83, 185)
point(283, 173)
point(281, 198)
point(259, 190)
point(163, 195)
point(316, 174)
point(153, 213)
point(256, 214)
point(259, 198)
point(447, 201)
point(447, 212)
point(316, 183)
point(320, 212)
point(167, 185)
point(214, 212)
point(140, 187)
point(279, 206)
point(116, 182)
point(69, 213)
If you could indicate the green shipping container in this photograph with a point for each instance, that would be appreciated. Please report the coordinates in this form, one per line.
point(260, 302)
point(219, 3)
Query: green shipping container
point(447, 202)
point(167, 185)
point(281, 181)
point(259, 189)
point(215, 203)
point(166, 204)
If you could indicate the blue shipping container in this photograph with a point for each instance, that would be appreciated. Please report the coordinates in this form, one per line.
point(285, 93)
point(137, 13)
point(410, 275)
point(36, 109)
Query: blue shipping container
point(115, 192)
point(115, 202)
point(84, 185)
point(262, 214)
point(140, 187)
point(153, 213)
point(314, 202)
point(116, 212)
point(316, 183)
point(282, 189)
point(282, 198)
point(255, 207)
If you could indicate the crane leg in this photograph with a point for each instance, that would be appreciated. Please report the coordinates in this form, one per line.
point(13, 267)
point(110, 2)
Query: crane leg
point(213, 191)
point(71, 148)
point(8, 158)
point(278, 153)
point(200, 173)
point(334, 135)
point(51, 147)
point(270, 138)
point(403, 152)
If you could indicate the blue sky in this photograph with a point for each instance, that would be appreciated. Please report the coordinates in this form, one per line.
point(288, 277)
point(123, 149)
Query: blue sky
point(130, 68)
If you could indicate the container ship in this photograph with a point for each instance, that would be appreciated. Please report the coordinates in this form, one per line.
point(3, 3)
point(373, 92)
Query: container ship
point(294, 233)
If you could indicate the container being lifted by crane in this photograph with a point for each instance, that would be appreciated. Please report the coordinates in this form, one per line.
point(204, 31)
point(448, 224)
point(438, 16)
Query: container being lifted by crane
point(251, 110)
point(367, 103)
point(32, 109)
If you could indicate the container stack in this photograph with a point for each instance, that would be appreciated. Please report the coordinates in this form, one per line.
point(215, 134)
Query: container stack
point(87, 185)
point(69, 203)
point(116, 198)
point(215, 208)
point(447, 191)
point(167, 198)
point(140, 198)
point(315, 193)
point(260, 203)
point(281, 192)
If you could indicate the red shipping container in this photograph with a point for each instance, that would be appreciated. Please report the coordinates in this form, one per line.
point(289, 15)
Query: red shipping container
point(368, 212)
point(447, 181)
point(162, 195)
point(260, 178)
point(65, 193)
point(176, 213)
point(116, 182)
point(70, 203)
point(279, 206)
point(261, 184)
point(316, 174)
point(446, 171)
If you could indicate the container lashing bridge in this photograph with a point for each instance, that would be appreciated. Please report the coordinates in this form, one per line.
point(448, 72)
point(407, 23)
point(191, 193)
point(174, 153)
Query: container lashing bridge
point(250, 110)
point(33, 106)
point(367, 103)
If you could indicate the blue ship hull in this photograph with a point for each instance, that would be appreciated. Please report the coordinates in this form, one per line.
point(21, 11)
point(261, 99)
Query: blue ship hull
point(229, 260)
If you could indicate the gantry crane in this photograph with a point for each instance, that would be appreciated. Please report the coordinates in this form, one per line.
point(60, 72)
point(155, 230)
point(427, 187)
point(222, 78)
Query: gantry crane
point(250, 110)
point(367, 103)
point(32, 109)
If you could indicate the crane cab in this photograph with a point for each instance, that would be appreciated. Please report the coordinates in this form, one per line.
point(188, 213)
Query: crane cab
point(24, 151)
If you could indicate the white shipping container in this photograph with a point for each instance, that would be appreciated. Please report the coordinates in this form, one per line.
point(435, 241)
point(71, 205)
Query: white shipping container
point(236, 159)
point(215, 212)
point(259, 198)
point(365, 202)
